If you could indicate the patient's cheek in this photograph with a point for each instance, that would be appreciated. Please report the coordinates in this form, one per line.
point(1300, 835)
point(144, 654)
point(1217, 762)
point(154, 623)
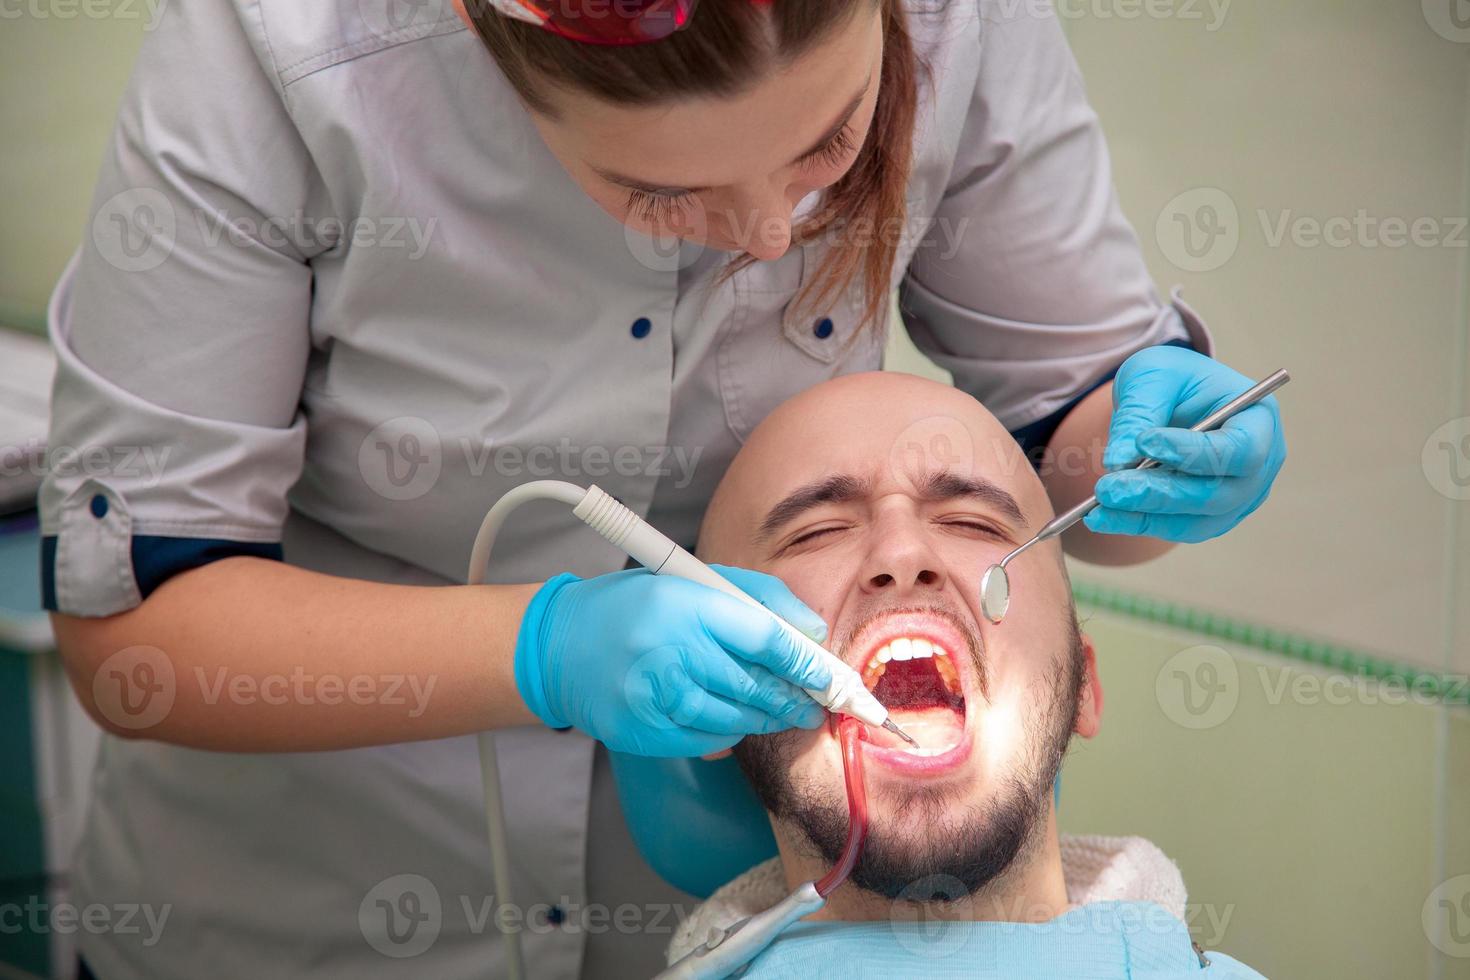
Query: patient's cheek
point(810, 586)
point(1040, 601)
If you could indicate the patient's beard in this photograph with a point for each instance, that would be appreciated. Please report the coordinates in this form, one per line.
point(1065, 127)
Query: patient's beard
point(960, 849)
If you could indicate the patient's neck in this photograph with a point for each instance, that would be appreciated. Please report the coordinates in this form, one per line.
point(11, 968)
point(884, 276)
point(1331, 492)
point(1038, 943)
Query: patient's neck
point(1031, 890)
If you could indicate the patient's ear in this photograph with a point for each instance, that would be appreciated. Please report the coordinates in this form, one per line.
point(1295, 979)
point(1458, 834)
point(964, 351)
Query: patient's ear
point(1089, 709)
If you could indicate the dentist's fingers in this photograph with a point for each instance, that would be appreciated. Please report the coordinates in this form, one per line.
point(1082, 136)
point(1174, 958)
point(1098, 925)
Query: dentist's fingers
point(760, 639)
point(1241, 447)
point(1162, 492)
point(774, 594)
point(758, 688)
point(688, 705)
point(1144, 399)
point(1185, 529)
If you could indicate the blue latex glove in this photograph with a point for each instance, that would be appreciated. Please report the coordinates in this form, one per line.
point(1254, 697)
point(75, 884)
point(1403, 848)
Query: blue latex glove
point(661, 666)
point(1207, 482)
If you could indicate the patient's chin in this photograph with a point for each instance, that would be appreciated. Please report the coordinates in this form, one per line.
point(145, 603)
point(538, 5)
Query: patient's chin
point(933, 837)
point(907, 805)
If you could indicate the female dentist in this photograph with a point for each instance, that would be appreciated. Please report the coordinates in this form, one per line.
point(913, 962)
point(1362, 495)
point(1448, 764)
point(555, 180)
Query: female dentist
point(357, 267)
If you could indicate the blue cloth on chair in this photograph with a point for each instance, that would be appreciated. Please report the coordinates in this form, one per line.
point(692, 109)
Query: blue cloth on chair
point(1100, 941)
point(698, 824)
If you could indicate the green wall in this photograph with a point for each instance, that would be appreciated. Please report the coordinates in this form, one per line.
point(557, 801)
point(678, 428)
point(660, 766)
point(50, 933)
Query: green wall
point(62, 77)
point(1299, 810)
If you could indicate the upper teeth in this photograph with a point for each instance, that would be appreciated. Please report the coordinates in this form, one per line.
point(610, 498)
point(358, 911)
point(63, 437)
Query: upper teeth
point(907, 648)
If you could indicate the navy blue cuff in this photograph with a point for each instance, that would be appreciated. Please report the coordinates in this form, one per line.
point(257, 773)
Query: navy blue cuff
point(156, 559)
point(1035, 437)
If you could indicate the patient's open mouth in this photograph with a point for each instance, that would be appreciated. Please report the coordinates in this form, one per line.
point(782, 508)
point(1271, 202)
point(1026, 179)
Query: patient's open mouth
point(914, 673)
point(917, 679)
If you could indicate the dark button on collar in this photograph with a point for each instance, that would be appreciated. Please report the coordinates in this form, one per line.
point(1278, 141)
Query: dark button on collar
point(823, 329)
point(642, 327)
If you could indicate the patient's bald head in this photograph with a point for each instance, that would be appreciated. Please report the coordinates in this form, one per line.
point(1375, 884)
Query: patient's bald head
point(877, 423)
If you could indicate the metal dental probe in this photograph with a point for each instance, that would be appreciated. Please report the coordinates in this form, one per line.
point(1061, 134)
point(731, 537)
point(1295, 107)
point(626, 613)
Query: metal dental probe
point(995, 585)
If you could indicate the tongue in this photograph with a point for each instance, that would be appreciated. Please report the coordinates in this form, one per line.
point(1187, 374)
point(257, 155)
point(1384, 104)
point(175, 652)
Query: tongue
point(915, 684)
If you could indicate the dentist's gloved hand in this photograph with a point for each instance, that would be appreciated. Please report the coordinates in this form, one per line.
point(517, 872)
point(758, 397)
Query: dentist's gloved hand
point(661, 666)
point(1206, 482)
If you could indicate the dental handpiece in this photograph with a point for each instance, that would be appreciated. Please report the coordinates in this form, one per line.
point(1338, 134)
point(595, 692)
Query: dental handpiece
point(646, 545)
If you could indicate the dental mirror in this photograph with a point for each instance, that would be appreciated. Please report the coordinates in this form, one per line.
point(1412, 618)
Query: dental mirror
point(995, 585)
point(995, 592)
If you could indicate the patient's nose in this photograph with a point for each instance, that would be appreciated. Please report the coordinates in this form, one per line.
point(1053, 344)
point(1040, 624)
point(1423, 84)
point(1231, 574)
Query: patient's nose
point(901, 564)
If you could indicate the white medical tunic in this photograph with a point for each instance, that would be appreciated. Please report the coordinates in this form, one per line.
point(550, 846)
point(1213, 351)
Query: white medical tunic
point(338, 297)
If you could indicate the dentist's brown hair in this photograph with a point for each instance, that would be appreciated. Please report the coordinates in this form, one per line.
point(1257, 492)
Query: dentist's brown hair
point(728, 43)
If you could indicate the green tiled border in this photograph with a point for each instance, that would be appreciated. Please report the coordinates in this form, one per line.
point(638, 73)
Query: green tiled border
point(1445, 689)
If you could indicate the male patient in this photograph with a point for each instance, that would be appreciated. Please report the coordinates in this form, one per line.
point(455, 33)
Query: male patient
point(880, 499)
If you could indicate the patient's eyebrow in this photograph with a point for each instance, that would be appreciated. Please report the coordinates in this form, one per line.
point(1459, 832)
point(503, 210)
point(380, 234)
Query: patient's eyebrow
point(832, 490)
point(945, 485)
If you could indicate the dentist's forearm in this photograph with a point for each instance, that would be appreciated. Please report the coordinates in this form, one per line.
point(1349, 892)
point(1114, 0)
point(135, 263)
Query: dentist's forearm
point(1070, 471)
point(267, 657)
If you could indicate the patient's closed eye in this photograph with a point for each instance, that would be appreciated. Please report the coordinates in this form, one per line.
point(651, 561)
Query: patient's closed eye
point(984, 527)
point(815, 533)
point(968, 523)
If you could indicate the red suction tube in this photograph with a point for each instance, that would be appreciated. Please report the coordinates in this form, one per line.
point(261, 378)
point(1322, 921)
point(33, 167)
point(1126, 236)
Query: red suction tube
point(850, 734)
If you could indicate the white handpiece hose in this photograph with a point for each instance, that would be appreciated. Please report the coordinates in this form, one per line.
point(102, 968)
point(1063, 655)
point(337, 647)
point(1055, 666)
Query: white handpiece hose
point(643, 543)
point(515, 968)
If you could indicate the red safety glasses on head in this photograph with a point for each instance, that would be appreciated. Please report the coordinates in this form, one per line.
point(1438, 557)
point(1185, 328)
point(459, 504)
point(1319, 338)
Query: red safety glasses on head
point(603, 21)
